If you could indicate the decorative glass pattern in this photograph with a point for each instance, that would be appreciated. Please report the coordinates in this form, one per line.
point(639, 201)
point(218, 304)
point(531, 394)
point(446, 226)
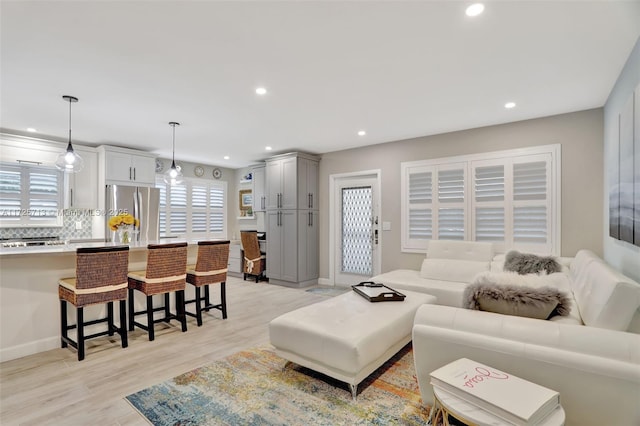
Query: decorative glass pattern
point(357, 249)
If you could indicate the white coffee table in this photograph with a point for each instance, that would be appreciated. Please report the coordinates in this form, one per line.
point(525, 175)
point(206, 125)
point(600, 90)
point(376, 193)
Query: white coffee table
point(445, 404)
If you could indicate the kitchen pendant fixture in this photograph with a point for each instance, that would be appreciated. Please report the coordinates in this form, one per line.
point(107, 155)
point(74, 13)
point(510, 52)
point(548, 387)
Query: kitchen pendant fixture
point(173, 176)
point(69, 161)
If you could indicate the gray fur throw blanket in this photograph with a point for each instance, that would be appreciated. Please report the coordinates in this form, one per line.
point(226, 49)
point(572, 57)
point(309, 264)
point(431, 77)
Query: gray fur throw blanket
point(541, 302)
point(526, 263)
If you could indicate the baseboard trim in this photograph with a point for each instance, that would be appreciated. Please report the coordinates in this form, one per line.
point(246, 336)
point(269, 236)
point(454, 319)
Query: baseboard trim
point(19, 351)
point(325, 281)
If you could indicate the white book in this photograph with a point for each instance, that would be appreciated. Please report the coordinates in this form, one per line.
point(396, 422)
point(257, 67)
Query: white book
point(516, 400)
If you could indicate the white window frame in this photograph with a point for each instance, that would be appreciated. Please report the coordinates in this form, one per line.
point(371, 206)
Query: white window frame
point(27, 216)
point(189, 182)
point(551, 153)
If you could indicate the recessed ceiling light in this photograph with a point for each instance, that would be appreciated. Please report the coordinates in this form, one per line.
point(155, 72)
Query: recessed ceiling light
point(362, 133)
point(475, 9)
point(226, 157)
point(31, 129)
point(510, 105)
point(261, 91)
point(268, 148)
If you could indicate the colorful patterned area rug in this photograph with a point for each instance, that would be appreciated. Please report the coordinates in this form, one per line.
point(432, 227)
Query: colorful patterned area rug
point(251, 388)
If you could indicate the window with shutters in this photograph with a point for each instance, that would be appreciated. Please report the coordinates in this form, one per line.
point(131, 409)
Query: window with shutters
point(30, 195)
point(194, 209)
point(509, 198)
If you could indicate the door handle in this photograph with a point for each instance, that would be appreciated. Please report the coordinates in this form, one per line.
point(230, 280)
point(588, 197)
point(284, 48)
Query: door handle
point(309, 219)
point(134, 173)
point(310, 202)
point(71, 196)
point(375, 236)
point(129, 173)
point(262, 202)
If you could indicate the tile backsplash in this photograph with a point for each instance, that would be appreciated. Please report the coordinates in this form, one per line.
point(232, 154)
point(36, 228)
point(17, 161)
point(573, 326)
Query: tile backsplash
point(68, 230)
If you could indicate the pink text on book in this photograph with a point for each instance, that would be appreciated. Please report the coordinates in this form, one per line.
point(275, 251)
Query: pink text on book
point(483, 374)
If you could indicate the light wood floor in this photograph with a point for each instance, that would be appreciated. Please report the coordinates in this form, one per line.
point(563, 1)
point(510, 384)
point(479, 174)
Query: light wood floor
point(54, 388)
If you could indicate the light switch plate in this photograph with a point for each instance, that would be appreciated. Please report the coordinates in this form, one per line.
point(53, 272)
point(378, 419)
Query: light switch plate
point(386, 226)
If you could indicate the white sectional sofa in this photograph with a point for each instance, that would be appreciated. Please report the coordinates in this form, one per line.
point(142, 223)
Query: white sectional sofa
point(592, 357)
point(447, 270)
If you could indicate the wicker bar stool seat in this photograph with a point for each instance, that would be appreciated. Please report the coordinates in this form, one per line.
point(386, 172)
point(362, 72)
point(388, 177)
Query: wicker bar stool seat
point(210, 268)
point(254, 262)
point(101, 278)
point(165, 274)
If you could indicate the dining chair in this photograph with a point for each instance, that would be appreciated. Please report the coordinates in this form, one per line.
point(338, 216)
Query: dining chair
point(254, 262)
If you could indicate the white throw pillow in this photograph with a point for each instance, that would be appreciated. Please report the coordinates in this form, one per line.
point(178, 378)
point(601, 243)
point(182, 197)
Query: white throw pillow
point(452, 269)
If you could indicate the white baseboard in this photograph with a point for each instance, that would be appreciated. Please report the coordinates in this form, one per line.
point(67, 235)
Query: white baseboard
point(325, 281)
point(14, 352)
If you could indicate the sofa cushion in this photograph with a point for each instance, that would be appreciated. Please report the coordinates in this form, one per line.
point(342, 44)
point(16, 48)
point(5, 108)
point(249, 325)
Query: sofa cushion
point(533, 296)
point(605, 297)
point(528, 263)
point(452, 269)
point(460, 250)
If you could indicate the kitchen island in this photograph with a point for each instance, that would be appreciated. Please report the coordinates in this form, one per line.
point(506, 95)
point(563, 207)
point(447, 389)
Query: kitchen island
point(29, 304)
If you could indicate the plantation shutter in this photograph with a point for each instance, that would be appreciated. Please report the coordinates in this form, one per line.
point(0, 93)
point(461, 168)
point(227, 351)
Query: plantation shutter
point(451, 198)
point(488, 201)
point(199, 208)
point(531, 203)
point(216, 209)
point(178, 212)
point(30, 195)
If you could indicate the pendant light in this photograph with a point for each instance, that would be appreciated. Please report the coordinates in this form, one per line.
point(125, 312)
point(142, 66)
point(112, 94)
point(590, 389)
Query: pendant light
point(69, 161)
point(173, 176)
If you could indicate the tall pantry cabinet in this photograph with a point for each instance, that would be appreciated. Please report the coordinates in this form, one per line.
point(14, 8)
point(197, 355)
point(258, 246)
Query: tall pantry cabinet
point(291, 193)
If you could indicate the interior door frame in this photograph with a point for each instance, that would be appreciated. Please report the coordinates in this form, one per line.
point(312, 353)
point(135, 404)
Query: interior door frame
point(334, 181)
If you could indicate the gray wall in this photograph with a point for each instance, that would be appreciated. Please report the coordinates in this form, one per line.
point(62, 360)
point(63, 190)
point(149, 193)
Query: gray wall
point(579, 133)
point(622, 255)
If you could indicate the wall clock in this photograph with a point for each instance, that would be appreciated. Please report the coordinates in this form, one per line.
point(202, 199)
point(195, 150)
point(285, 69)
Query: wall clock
point(159, 165)
point(198, 171)
point(217, 173)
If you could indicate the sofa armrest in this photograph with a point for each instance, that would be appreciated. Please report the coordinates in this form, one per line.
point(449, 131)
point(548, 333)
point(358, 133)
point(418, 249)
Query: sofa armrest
point(596, 371)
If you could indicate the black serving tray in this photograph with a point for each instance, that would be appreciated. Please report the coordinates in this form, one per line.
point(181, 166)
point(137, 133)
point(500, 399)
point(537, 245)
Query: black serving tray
point(376, 292)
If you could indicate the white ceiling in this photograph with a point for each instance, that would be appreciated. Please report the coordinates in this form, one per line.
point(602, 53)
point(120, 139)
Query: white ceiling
point(395, 69)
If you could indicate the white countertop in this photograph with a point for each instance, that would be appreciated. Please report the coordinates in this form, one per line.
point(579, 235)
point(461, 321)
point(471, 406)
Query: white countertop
point(71, 247)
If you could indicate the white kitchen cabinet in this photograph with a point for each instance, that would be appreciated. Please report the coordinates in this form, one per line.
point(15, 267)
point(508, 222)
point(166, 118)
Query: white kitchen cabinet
point(307, 177)
point(259, 198)
point(127, 167)
point(234, 265)
point(82, 187)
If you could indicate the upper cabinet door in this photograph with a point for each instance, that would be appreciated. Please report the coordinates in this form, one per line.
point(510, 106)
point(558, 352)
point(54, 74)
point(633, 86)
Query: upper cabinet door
point(289, 184)
point(128, 168)
point(118, 167)
point(307, 184)
point(273, 184)
point(144, 169)
point(83, 186)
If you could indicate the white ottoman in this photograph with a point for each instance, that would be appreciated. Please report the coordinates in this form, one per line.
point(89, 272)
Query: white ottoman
point(346, 337)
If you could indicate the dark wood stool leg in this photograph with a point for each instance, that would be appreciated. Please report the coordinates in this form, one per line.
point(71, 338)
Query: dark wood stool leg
point(199, 306)
point(110, 325)
point(150, 317)
point(63, 323)
point(181, 309)
point(131, 312)
point(80, 329)
point(223, 299)
point(123, 324)
point(206, 295)
point(167, 311)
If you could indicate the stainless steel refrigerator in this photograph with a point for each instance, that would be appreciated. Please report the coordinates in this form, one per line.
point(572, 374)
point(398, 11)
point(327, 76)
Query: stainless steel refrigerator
point(141, 202)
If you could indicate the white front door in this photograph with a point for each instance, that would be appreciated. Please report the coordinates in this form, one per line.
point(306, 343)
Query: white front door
point(356, 236)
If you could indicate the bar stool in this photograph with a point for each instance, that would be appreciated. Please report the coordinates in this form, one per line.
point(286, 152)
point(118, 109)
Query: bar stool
point(101, 277)
point(165, 273)
point(210, 268)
